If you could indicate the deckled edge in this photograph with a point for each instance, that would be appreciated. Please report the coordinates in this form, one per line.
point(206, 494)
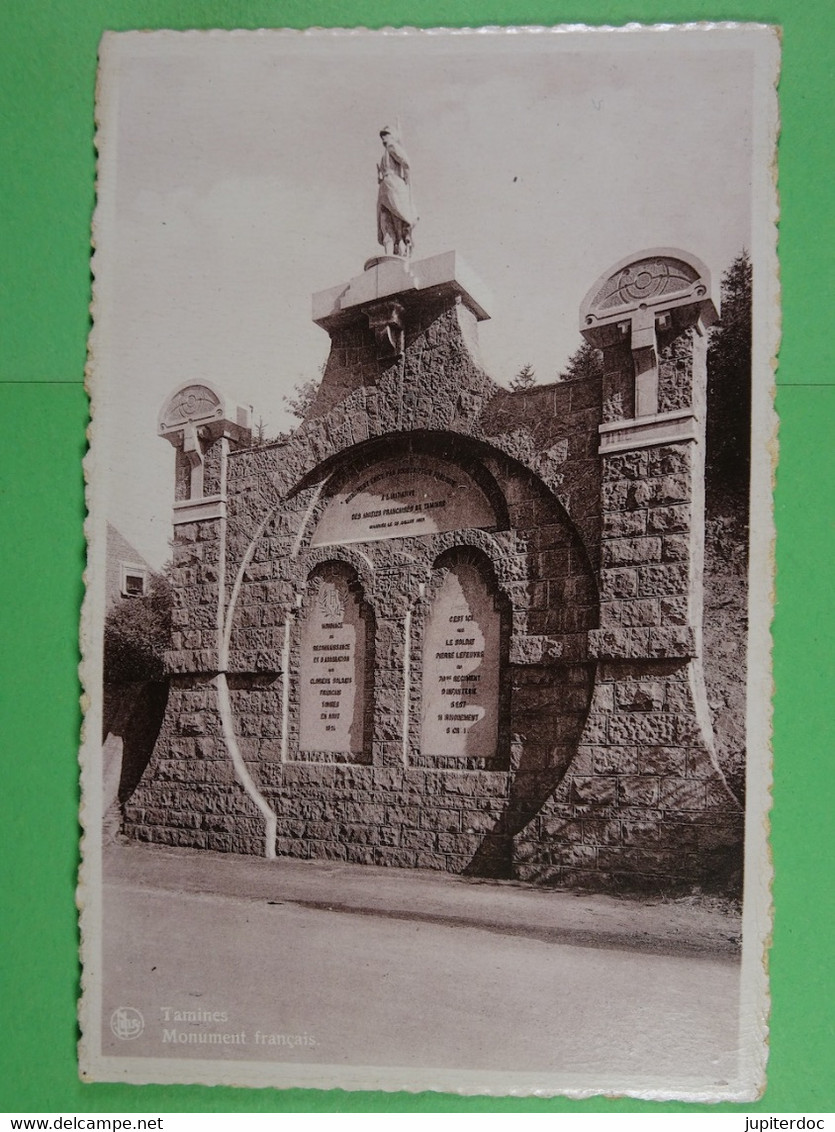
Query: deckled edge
point(758, 906)
point(89, 889)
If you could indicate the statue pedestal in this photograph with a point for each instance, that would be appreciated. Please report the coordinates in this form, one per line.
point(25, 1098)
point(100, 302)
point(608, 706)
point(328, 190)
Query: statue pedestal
point(377, 259)
point(387, 277)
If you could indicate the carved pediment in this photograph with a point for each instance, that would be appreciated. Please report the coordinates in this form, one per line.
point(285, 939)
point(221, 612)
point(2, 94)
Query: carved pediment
point(645, 280)
point(666, 282)
point(199, 406)
point(190, 404)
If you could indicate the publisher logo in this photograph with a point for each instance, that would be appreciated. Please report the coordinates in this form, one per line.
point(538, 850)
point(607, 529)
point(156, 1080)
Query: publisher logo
point(126, 1023)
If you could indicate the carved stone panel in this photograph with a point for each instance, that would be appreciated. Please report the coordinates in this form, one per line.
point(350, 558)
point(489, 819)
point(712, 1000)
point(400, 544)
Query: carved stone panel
point(663, 288)
point(644, 279)
point(403, 496)
point(461, 666)
point(188, 404)
point(335, 638)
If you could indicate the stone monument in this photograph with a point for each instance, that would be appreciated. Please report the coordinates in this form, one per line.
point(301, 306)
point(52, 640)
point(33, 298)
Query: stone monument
point(447, 625)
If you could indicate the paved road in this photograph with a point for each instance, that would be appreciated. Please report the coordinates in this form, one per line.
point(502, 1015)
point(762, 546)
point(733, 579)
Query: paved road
point(371, 989)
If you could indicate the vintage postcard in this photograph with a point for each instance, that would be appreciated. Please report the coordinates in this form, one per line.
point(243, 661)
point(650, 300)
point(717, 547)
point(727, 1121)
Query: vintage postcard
point(426, 640)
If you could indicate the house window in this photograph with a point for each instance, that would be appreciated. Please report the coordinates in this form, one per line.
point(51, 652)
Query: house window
point(134, 580)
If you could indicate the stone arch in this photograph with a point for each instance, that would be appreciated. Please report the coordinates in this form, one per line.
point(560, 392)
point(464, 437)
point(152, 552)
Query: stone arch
point(497, 547)
point(529, 484)
point(342, 469)
point(352, 556)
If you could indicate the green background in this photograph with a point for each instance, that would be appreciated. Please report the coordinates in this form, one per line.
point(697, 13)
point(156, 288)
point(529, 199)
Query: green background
point(47, 72)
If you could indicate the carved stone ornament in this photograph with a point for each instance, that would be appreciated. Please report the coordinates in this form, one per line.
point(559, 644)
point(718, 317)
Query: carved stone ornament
point(647, 279)
point(386, 320)
point(329, 600)
point(664, 285)
point(189, 404)
point(199, 407)
point(662, 291)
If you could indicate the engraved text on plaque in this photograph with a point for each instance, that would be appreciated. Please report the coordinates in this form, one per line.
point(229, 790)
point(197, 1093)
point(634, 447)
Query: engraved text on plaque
point(332, 669)
point(396, 498)
point(461, 667)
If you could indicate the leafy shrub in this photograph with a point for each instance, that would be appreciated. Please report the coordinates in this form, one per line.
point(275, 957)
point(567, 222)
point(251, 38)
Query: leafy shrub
point(137, 631)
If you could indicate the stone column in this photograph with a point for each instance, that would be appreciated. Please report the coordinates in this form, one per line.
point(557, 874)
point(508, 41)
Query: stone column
point(191, 793)
point(647, 764)
point(202, 426)
point(649, 316)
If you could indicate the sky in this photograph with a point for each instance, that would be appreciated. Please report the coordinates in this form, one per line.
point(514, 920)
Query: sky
point(237, 176)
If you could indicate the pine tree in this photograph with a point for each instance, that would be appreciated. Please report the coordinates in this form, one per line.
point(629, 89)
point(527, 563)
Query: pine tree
point(728, 449)
point(586, 361)
point(524, 379)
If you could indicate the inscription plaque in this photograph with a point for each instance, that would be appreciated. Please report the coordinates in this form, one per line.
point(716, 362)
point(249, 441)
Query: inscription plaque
point(332, 668)
point(399, 497)
point(460, 710)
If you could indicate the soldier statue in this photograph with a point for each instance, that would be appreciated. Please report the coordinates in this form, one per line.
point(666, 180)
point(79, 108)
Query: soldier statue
point(396, 215)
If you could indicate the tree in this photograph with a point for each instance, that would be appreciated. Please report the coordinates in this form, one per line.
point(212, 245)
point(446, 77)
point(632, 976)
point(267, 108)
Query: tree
point(259, 434)
point(524, 379)
point(727, 465)
point(585, 362)
point(299, 401)
point(728, 448)
point(137, 631)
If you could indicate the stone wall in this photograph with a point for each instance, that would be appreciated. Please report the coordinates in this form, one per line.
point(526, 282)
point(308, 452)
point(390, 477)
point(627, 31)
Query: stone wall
point(190, 796)
point(646, 796)
point(447, 814)
point(195, 579)
point(598, 766)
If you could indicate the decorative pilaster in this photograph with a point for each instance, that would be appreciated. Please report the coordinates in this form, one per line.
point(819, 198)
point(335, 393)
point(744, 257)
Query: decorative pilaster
point(193, 419)
point(649, 315)
point(203, 426)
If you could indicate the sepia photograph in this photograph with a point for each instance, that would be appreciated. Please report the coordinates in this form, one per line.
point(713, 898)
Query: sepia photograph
point(426, 642)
